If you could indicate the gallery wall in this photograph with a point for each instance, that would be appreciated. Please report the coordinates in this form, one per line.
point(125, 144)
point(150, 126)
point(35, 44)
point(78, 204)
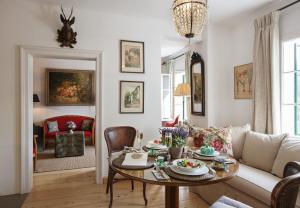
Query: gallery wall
point(40, 110)
point(29, 23)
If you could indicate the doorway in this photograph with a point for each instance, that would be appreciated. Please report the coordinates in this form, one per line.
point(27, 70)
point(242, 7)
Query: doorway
point(28, 54)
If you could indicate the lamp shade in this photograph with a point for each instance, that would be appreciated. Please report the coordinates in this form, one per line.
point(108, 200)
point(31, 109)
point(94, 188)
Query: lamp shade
point(183, 90)
point(36, 98)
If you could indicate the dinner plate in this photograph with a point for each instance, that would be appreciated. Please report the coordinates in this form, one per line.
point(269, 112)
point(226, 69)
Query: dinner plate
point(200, 171)
point(214, 155)
point(185, 169)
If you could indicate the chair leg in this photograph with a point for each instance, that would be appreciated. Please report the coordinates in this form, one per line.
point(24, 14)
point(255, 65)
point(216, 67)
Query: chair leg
point(144, 194)
point(132, 185)
point(111, 182)
point(108, 181)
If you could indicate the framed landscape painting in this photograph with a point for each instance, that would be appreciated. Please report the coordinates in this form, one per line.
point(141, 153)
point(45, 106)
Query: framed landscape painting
point(131, 97)
point(66, 87)
point(243, 81)
point(132, 56)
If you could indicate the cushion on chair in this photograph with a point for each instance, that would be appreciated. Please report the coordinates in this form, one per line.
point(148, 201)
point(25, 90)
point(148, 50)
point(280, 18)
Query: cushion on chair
point(260, 150)
point(225, 202)
point(254, 182)
point(288, 151)
point(238, 135)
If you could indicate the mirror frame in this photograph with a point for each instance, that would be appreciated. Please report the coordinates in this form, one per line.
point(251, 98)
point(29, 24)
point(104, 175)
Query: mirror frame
point(197, 59)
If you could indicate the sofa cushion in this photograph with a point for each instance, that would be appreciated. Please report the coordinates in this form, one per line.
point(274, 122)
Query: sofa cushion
point(238, 136)
point(52, 126)
point(256, 183)
point(288, 151)
point(260, 150)
point(86, 125)
point(52, 135)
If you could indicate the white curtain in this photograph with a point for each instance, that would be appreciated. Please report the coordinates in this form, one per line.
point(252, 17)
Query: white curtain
point(266, 66)
point(187, 80)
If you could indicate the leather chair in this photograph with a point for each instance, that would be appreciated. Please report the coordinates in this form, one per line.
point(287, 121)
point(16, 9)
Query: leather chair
point(284, 194)
point(116, 139)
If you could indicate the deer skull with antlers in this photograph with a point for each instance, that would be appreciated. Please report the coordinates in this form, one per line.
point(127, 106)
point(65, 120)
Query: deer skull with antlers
point(66, 36)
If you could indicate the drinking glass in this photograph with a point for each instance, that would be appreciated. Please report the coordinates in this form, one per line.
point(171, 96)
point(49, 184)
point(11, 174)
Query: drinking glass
point(168, 137)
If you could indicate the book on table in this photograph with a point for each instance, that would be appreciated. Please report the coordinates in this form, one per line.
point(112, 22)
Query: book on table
point(135, 159)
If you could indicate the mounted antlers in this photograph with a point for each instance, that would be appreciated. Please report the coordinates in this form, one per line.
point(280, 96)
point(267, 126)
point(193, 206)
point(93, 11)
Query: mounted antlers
point(66, 36)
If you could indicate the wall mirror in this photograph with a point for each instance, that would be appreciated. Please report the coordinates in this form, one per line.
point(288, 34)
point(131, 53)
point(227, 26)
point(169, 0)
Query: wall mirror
point(197, 77)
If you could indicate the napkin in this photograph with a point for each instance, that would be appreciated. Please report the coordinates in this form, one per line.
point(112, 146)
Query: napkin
point(135, 159)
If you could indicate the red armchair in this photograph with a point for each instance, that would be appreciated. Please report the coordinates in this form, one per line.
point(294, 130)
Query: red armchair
point(61, 120)
point(172, 123)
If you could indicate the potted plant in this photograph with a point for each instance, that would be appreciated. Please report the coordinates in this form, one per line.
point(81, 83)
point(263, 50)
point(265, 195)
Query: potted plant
point(174, 139)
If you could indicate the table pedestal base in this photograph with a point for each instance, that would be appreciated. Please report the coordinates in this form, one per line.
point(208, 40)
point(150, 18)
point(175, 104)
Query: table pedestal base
point(172, 197)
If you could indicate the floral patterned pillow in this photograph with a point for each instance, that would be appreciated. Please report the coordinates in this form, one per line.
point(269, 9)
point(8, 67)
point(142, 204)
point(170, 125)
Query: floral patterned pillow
point(219, 138)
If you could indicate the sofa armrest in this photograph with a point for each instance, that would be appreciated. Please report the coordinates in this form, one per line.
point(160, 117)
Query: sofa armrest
point(93, 132)
point(291, 168)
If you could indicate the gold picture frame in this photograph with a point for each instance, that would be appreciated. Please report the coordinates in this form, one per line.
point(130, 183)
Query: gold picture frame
point(243, 81)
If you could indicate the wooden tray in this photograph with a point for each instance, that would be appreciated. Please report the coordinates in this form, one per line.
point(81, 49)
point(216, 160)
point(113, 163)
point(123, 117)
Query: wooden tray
point(178, 176)
point(119, 160)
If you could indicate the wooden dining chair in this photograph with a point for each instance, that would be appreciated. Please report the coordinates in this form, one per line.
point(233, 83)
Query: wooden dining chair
point(116, 139)
point(284, 194)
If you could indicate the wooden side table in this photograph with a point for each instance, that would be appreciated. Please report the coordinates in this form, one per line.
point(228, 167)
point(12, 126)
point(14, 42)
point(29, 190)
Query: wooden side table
point(69, 144)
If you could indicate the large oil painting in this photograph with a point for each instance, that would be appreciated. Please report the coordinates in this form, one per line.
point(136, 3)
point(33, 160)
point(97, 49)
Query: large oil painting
point(131, 97)
point(132, 56)
point(243, 81)
point(69, 87)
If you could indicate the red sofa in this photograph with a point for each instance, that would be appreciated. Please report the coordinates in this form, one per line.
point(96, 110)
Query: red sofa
point(61, 120)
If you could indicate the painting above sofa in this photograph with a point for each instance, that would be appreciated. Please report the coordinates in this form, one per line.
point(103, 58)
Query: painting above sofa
point(69, 87)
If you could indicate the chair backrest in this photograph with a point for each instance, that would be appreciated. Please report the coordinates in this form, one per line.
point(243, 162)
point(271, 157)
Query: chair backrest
point(118, 137)
point(284, 194)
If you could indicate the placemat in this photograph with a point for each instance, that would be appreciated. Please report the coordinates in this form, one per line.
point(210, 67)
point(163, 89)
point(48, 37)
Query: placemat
point(119, 160)
point(178, 176)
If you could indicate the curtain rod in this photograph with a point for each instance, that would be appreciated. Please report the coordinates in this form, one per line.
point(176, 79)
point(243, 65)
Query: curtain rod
point(289, 5)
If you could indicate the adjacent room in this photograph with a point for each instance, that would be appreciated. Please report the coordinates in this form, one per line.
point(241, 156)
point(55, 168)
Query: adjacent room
point(139, 103)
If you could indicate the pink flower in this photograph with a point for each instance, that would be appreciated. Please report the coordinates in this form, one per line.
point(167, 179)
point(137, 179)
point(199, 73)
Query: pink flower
point(217, 144)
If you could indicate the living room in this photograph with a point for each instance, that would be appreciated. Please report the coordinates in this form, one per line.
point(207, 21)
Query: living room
point(227, 41)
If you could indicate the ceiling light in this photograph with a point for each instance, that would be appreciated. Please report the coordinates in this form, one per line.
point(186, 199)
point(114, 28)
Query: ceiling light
point(189, 16)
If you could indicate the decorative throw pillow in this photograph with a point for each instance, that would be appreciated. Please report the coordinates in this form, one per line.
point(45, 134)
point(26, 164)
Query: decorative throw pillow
point(219, 138)
point(289, 151)
point(52, 126)
point(260, 150)
point(86, 125)
point(238, 135)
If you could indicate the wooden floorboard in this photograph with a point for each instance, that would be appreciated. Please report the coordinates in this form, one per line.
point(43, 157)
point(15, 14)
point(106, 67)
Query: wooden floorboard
point(78, 189)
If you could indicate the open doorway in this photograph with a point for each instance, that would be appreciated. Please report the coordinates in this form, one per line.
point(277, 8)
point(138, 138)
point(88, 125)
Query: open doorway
point(28, 57)
point(63, 114)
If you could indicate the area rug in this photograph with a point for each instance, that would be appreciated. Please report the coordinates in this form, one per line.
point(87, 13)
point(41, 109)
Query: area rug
point(48, 162)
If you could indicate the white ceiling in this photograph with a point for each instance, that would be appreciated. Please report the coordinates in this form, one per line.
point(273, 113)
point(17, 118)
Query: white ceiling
point(218, 9)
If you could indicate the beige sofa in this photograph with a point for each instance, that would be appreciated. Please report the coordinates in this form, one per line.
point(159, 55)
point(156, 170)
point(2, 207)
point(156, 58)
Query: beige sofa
point(262, 159)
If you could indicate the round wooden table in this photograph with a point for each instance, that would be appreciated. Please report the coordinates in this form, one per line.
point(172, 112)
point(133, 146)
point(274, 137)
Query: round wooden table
point(172, 185)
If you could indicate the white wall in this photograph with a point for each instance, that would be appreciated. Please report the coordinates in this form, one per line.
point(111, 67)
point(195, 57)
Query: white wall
point(40, 110)
point(232, 45)
point(27, 23)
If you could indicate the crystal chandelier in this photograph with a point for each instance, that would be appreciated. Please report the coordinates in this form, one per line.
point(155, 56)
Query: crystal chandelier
point(189, 16)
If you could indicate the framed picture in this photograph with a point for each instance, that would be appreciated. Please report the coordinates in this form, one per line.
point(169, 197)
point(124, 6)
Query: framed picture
point(243, 81)
point(67, 87)
point(131, 97)
point(132, 56)
point(197, 80)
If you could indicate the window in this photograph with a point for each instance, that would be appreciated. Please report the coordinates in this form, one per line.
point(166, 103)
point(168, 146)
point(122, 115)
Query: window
point(290, 108)
point(170, 79)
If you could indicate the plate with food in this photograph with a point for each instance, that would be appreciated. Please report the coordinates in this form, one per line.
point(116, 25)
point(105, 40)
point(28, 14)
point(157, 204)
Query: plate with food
point(156, 144)
point(189, 167)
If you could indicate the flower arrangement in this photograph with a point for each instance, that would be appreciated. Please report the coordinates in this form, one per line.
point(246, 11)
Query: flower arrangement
point(179, 136)
point(71, 125)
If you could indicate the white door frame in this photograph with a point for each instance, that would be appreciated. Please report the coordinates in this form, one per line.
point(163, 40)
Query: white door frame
point(27, 54)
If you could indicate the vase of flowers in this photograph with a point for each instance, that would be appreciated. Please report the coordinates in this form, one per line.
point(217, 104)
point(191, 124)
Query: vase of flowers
point(174, 139)
point(71, 125)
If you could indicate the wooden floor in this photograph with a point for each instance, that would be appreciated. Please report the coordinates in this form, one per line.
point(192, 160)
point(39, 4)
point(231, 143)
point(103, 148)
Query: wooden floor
point(77, 189)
